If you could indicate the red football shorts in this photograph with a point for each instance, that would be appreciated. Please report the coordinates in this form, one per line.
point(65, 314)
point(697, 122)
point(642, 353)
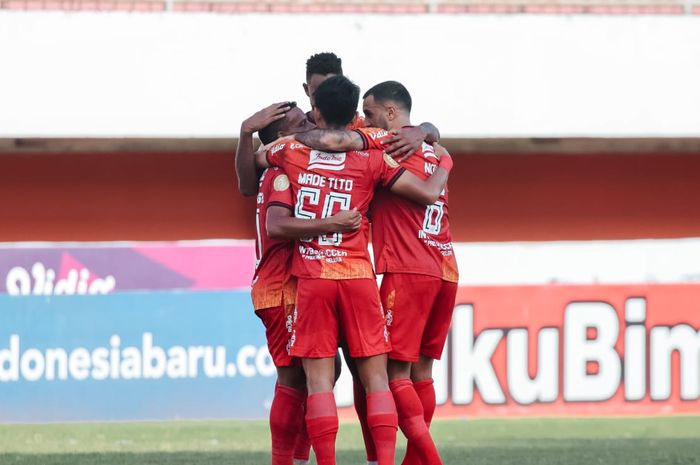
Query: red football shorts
point(328, 310)
point(278, 329)
point(418, 314)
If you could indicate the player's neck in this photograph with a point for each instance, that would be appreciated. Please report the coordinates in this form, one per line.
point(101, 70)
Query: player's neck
point(399, 123)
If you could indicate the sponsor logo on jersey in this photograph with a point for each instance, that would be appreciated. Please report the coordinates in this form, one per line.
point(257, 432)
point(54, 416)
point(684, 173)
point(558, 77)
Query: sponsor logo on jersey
point(429, 151)
point(390, 161)
point(281, 183)
point(378, 134)
point(276, 148)
point(326, 160)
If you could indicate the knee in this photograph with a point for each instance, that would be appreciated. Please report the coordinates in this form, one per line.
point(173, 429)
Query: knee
point(292, 377)
point(422, 370)
point(398, 369)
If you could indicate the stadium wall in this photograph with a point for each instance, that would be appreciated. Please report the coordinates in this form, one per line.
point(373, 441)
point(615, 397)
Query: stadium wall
point(494, 197)
point(199, 74)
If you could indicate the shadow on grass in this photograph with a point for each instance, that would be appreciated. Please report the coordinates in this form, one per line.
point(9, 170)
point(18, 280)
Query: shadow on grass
point(541, 452)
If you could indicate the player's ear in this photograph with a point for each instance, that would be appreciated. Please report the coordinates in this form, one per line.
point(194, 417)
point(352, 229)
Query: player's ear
point(306, 89)
point(390, 113)
point(317, 114)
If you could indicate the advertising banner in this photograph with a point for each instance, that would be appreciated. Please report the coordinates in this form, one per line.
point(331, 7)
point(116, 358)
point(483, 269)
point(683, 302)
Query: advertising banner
point(132, 356)
point(574, 350)
point(68, 269)
point(147, 335)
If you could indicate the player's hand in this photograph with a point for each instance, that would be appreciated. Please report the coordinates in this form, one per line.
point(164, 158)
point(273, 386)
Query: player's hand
point(346, 220)
point(404, 142)
point(444, 156)
point(440, 151)
point(265, 116)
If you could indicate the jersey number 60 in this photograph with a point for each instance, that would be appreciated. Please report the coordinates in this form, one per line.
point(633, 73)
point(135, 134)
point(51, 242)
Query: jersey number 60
point(332, 202)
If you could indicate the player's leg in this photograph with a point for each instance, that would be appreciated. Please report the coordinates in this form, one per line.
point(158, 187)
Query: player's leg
point(290, 391)
point(422, 377)
point(360, 404)
point(432, 344)
point(302, 451)
point(321, 410)
point(286, 413)
point(364, 330)
point(407, 299)
point(315, 340)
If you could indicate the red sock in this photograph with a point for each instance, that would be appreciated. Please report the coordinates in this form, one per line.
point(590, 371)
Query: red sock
point(426, 394)
point(322, 425)
point(383, 422)
point(360, 399)
point(285, 423)
point(302, 449)
point(412, 422)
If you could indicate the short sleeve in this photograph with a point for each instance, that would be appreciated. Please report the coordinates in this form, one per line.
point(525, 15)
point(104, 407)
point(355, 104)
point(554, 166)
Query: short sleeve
point(372, 137)
point(280, 192)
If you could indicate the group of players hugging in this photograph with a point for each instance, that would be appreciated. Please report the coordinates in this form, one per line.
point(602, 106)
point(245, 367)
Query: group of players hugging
point(321, 178)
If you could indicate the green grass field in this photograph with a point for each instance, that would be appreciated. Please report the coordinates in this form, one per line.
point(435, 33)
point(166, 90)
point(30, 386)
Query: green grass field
point(663, 440)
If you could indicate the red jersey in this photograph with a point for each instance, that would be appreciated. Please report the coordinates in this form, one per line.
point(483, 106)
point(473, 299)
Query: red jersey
point(356, 123)
point(408, 237)
point(323, 184)
point(273, 284)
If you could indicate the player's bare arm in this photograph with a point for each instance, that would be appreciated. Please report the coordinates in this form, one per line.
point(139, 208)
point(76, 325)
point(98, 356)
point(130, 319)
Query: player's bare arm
point(425, 192)
point(331, 140)
point(245, 162)
point(404, 142)
point(281, 224)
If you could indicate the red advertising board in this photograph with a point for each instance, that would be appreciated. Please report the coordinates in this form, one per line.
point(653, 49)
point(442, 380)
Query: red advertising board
point(573, 350)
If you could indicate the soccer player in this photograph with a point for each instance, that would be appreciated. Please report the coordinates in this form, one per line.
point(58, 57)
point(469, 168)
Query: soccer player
point(413, 249)
point(274, 288)
point(402, 142)
point(337, 293)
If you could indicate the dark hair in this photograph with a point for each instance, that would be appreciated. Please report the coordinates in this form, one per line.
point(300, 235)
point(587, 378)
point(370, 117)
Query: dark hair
point(391, 90)
point(269, 133)
point(323, 63)
point(336, 99)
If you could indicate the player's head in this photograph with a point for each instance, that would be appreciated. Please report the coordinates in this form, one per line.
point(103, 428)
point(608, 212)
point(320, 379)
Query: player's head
point(294, 122)
point(320, 67)
point(387, 105)
point(336, 102)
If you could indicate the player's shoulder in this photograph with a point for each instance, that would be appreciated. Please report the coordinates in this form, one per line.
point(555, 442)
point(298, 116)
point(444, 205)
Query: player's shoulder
point(274, 179)
point(372, 132)
point(426, 154)
point(380, 157)
point(357, 123)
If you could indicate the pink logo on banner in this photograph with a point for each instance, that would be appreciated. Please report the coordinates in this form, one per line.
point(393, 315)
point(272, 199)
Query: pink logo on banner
point(106, 268)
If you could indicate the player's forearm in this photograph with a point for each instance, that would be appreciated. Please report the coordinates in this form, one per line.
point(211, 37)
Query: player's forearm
point(331, 140)
point(423, 192)
point(432, 133)
point(434, 185)
point(296, 228)
point(245, 165)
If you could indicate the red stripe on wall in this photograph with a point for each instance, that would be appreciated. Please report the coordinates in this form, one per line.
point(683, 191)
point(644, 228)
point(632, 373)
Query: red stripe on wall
point(91, 197)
